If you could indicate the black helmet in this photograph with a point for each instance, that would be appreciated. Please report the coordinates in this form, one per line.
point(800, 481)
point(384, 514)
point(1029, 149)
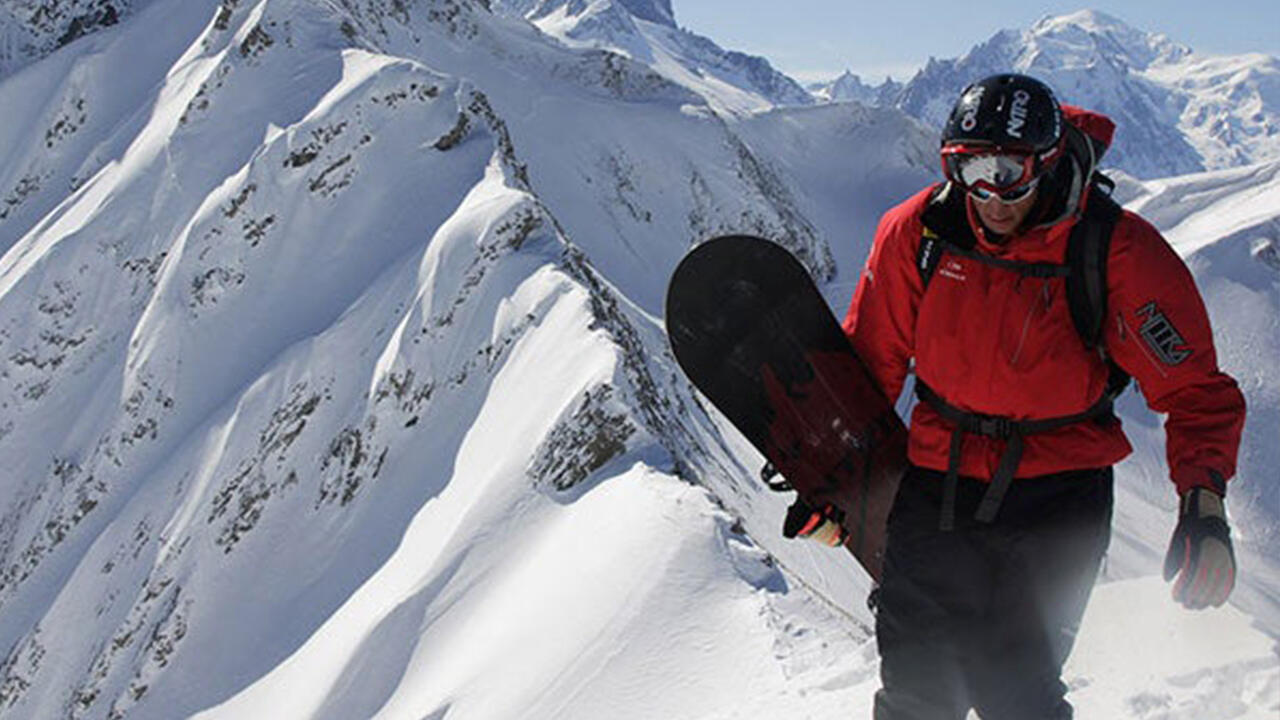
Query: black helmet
point(1014, 112)
point(1004, 133)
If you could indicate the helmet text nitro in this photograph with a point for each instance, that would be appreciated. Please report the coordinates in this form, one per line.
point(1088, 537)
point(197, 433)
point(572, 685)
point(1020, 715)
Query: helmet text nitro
point(1018, 113)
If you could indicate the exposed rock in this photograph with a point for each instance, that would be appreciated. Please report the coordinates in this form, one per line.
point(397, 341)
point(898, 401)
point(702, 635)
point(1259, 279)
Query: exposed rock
point(593, 434)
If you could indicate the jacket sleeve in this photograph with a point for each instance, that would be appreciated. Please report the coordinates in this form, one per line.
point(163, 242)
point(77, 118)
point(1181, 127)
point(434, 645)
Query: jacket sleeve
point(882, 316)
point(1159, 332)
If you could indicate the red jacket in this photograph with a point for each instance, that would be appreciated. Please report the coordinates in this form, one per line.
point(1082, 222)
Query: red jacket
point(991, 342)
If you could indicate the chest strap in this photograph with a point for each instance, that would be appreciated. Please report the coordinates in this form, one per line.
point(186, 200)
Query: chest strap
point(994, 426)
point(933, 248)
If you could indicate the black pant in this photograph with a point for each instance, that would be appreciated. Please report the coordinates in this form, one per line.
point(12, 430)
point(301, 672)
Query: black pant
point(984, 616)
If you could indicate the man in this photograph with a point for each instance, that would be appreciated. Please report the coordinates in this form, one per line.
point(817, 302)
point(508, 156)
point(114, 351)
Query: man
point(998, 530)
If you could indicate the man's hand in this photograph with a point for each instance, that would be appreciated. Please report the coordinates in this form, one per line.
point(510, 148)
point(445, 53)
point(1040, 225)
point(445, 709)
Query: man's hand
point(821, 525)
point(1200, 554)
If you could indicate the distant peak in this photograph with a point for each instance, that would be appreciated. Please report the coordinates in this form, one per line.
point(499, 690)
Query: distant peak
point(655, 11)
point(1087, 33)
point(1090, 20)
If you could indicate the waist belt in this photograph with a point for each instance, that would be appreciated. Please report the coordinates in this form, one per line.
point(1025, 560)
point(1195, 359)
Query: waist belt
point(994, 426)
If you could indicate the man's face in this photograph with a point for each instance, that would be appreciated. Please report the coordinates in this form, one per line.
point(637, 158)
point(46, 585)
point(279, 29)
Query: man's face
point(1003, 218)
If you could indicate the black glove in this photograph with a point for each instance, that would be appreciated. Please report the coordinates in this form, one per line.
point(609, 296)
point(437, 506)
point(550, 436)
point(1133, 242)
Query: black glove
point(1201, 550)
point(822, 525)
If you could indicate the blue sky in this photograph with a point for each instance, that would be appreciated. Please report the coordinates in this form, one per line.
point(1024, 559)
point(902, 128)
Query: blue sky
point(818, 39)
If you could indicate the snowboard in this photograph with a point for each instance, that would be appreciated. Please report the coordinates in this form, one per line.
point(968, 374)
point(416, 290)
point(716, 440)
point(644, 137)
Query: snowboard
point(753, 333)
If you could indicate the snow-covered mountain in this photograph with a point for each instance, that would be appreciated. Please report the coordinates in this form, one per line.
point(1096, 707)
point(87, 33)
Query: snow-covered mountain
point(849, 87)
point(646, 31)
point(333, 381)
point(1177, 111)
point(622, 11)
point(1226, 224)
point(31, 29)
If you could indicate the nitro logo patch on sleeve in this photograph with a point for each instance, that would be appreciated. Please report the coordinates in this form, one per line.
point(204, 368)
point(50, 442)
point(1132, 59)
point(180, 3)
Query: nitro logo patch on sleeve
point(1161, 336)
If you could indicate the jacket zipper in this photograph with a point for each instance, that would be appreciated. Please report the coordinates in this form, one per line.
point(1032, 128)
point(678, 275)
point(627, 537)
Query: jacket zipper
point(1026, 325)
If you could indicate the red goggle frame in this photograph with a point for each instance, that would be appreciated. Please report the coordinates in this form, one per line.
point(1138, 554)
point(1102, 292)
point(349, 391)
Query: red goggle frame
point(995, 169)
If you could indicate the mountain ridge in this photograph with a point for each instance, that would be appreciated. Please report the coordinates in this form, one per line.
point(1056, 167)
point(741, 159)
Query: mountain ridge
point(735, 82)
point(294, 346)
point(1176, 111)
point(370, 412)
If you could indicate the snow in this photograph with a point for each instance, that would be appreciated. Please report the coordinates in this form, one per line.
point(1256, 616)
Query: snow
point(333, 382)
point(1178, 111)
point(1196, 210)
point(730, 82)
point(1132, 637)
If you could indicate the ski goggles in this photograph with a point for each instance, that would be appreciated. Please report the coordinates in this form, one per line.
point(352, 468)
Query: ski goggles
point(987, 171)
point(1007, 197)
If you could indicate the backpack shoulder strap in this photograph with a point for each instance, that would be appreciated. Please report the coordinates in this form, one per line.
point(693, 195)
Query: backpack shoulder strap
point(928, 254)
point(945, 223)
point(1087, 249)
